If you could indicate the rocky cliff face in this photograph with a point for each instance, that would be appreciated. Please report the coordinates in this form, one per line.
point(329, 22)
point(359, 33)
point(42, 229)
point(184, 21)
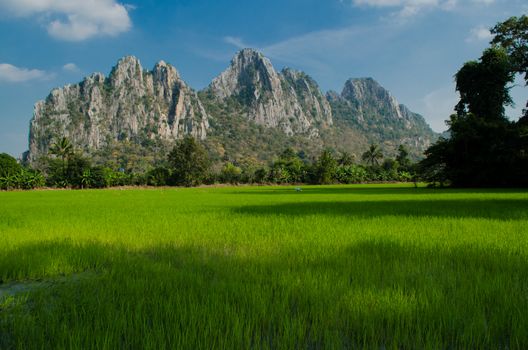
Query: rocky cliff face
point(365, 105)
point(129, 104)
point(288, 100)
point(243, 104)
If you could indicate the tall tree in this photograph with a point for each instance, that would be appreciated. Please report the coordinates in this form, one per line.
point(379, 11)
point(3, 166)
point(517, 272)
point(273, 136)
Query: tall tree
point(483, 148)
point(403, 158)
point(512, 35)
point(325, 168)
point(189, 162)
point(372, 155)
point(62, 149)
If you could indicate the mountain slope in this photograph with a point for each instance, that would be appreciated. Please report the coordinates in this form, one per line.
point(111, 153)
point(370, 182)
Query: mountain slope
point(248, 111)
point(366, 106)
point(288, 100)
point(130, 104)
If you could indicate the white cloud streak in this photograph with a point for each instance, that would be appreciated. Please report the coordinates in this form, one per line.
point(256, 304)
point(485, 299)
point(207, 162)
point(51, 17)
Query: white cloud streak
point(13, 74)
point(404, 9)
point(73, 20)
point(71, 67)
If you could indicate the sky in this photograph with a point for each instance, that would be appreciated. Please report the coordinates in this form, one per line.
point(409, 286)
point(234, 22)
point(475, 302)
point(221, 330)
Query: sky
point(412, 47)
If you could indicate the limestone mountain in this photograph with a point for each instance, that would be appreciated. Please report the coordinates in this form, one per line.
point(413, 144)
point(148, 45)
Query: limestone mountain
point(288, 100)
point(130, 104)
point(366, 106)
point(250, 111)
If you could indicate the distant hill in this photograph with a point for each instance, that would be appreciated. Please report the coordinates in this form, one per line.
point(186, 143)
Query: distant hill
point(248, 111)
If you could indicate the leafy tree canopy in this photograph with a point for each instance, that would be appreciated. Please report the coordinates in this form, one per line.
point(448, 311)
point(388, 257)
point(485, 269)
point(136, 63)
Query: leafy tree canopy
point(8, 165)
point(189, 162)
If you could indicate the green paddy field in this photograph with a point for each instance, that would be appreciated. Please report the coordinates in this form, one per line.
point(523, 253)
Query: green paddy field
point(374, 266)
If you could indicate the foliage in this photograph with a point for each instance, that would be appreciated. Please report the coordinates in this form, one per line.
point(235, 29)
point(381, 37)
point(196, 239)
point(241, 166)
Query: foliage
point(484, 148)
point(372, 155)
point(231, 173)
point(483, 85)
point(351, 174)
point(346, 159)
point(324, 169)
point(189, 162)
point(403, 158)
point(512, 35)
point(23, 179)
point(288, 168)
point(159, 176)
point(8, 165)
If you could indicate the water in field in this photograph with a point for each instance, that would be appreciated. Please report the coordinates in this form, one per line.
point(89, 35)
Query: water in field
point(264, 267)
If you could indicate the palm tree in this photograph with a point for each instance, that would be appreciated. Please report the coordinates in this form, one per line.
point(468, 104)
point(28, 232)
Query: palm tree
point(372, 155)
point(63, 149)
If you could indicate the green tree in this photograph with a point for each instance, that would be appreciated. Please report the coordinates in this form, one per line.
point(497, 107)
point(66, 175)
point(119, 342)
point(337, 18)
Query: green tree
point(403, 158)
point(158, 176)
point(8, 165)
point(512, 35)
point(288, 168)
point(325, 168)
point(189, 162)
point(62, 149)
point(346, 159)
point(484, 146)
point(372, 155)
point(483, 85)
point(231, 173)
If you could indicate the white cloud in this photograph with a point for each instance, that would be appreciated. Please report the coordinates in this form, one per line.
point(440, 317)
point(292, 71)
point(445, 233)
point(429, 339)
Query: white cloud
point(480, 33)
point(235, 41)
point(438, 105)
point(74, 20)
point(484, 2)
point(408, 8)
point(13, 74)
point(71, 67)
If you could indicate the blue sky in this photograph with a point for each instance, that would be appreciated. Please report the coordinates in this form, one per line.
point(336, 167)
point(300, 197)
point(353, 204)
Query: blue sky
point(412, 47)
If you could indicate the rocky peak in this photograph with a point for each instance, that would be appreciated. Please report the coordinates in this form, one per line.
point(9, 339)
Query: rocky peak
point(131, 104)
point(366, 105)
point(312, 101)
point(367, 91)
point(290, 100)
point(128, 70)
point(250, 76)
point(165, 71)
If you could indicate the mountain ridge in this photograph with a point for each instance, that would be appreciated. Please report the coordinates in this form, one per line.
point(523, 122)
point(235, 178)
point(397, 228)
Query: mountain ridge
point(157, 106)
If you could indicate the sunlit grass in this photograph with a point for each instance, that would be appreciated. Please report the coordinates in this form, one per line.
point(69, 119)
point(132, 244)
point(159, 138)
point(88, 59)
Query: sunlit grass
point(264, 267)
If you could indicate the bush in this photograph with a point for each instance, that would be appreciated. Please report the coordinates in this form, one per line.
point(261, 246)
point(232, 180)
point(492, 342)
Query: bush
point(351, 174)
point(24, 179)
point(158, 177)
point(231, 173)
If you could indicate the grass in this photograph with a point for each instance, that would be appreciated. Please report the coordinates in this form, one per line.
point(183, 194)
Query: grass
point(379, 266)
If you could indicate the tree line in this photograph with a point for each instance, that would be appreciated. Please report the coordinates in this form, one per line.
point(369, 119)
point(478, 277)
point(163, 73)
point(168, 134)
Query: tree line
point(484, 148)
point(188, 164)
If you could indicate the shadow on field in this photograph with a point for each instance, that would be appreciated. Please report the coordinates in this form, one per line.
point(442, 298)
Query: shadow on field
point(373, 190)
point(500, 209)
point(371, 294)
